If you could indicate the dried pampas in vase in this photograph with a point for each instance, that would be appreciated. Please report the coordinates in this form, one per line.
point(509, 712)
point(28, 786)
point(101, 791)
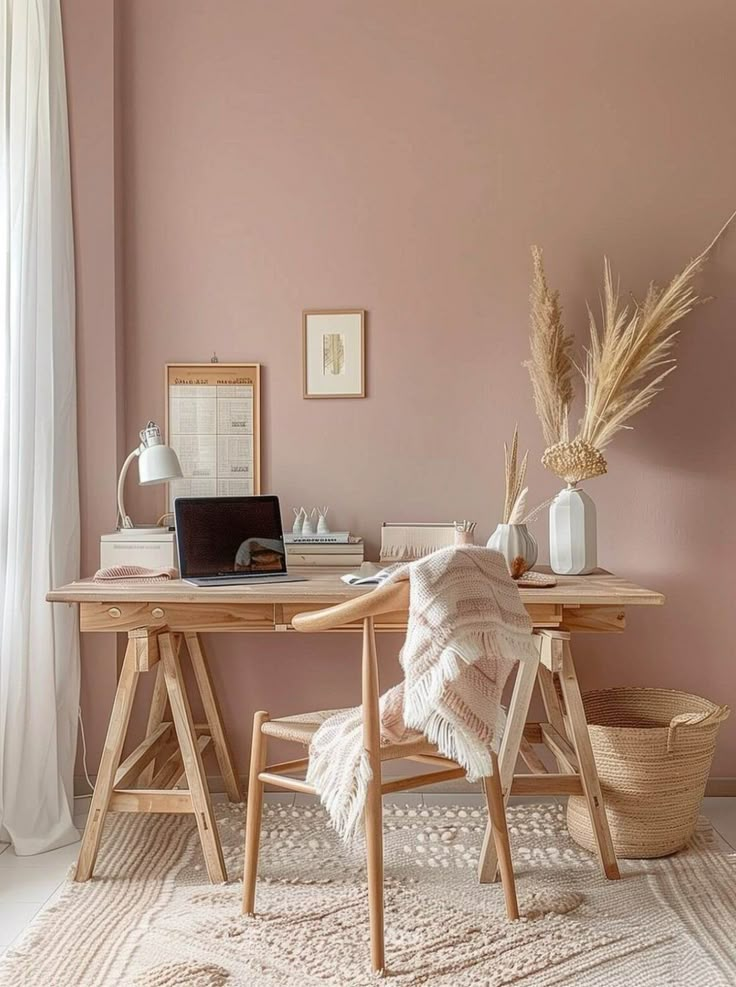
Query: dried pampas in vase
point(512, 538)
point(629, 356)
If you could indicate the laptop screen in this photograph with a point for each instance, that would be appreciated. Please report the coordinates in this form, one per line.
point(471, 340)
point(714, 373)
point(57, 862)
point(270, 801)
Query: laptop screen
point(229, 535)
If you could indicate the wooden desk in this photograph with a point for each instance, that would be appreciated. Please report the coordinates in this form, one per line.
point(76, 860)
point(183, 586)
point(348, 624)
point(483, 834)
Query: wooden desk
point(161, 618)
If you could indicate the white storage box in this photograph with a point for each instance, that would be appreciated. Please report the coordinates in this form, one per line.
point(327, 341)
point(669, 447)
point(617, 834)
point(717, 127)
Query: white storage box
point(154, 548)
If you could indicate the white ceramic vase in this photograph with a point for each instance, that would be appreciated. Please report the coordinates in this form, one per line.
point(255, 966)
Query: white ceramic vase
point(573, 549)
point(517, 545)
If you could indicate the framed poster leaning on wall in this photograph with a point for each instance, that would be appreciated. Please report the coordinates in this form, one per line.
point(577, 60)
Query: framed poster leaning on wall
point(213, 424)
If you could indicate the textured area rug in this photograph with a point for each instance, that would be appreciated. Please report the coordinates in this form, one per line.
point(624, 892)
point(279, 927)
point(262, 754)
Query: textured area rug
point(150, 918)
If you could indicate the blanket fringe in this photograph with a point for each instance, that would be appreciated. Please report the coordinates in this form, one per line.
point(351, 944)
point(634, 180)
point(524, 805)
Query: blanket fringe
point(344, 805)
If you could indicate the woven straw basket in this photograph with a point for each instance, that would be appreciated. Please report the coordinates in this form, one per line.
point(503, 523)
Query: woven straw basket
point(653, 749)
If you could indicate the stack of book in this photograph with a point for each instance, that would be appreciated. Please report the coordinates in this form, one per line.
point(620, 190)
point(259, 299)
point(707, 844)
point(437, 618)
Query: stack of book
point(338, 548)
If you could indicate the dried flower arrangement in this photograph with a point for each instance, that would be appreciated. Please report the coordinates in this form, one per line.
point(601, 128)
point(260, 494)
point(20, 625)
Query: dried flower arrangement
point(630, 355)
point(514, 503)
point(511, 537)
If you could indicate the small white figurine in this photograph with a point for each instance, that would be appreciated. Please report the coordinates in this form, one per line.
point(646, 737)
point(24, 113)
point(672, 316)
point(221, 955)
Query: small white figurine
point(297, 527)
point(307, 526)
point(322, 526)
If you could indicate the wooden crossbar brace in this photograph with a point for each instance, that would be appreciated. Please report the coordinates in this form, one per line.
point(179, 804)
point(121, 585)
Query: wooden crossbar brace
point(203, 742)
point(150, 800)
point(131, 768)
point(437, 759)
point(530, 757)
point(284, 766)
point(417, 781)
point(282, 781)
point(169, 770)
point(560, 747)
point(547, 784)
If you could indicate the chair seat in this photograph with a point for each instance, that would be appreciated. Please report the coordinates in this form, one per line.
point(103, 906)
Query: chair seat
point(301, 727)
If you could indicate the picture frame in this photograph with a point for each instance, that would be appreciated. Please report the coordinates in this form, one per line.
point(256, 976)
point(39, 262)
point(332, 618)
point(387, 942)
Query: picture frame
point(333, 353)
point(213, 423)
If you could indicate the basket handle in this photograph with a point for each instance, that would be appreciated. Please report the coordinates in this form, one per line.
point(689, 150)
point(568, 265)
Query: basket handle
point(717, 715)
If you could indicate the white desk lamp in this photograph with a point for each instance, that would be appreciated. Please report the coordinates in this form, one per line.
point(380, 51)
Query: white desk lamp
point(157, 463)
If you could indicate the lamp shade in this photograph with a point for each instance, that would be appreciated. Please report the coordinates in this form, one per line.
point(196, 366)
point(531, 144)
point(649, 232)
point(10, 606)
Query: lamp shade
point(157, 464)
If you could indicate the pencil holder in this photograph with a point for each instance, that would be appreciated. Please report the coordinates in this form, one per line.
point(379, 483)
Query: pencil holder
point(464, 537)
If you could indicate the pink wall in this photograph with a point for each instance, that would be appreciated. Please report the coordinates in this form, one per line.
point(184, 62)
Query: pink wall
point(402, 156)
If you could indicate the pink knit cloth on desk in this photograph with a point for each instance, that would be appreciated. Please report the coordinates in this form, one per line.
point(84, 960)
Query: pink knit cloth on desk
point(133, 574)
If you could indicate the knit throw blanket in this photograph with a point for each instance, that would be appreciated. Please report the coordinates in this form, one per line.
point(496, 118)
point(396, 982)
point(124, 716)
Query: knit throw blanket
point(467, 627)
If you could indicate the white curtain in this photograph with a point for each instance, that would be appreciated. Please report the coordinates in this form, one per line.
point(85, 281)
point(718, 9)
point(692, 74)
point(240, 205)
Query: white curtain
point(39, 502)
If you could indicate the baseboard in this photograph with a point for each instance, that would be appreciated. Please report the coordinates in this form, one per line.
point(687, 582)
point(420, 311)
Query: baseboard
point(716, 787)
point(721, 788)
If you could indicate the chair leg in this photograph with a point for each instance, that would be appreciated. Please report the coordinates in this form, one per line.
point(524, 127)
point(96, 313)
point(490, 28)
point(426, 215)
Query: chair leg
point(253, 813)
point(374, 862)
point(497, 813)
point(374, 797)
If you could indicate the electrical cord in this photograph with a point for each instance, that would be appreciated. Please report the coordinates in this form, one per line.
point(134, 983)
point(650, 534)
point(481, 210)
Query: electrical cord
point(84, 757)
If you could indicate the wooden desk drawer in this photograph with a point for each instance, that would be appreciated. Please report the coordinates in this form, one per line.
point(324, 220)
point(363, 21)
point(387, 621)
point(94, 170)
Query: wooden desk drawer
point(594, 620)
point(545, 614)
point(177, 616)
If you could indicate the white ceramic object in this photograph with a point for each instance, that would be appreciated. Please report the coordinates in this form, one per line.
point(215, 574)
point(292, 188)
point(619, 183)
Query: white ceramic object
point(573, 549)
point(296, 528)
point(322, 527)
point(307, 526)
point(517, 545)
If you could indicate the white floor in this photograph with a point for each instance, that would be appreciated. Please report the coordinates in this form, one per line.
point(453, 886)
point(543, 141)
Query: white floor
point(29, 884)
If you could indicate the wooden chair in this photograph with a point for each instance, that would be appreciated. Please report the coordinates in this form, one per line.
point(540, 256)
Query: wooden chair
point(300, 729)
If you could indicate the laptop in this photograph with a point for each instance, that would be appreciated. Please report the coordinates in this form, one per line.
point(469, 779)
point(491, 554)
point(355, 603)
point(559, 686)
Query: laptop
point(223, 541)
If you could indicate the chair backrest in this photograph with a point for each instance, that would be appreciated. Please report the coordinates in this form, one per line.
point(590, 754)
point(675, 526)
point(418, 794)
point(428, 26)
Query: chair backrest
point(386, 599)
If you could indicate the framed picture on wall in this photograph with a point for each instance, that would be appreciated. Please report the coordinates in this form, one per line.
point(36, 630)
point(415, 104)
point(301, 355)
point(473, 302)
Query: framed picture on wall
point(334, 353)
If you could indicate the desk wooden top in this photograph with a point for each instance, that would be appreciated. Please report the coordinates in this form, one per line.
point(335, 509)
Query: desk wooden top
point(601, 588)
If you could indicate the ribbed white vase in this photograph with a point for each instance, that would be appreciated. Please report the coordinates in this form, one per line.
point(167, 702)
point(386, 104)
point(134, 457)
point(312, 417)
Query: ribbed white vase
point(573, 549)
point(517, 545)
